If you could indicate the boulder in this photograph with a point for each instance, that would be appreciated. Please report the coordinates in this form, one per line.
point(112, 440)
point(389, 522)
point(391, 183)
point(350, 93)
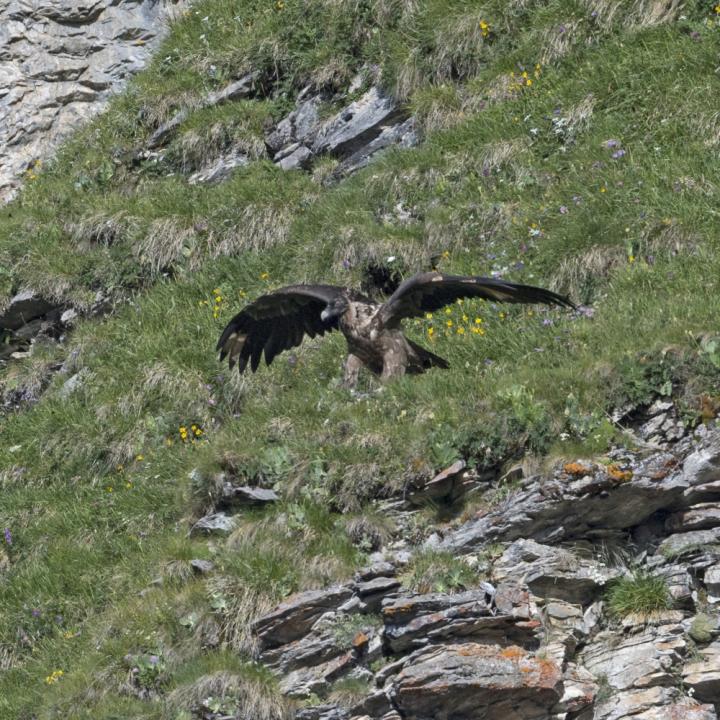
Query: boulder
point(294, 617)
point(553, 572)
point(470, 680)
point(653, 656)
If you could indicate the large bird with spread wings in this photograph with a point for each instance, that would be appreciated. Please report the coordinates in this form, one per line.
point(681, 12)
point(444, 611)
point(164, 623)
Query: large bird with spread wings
point(280, 320)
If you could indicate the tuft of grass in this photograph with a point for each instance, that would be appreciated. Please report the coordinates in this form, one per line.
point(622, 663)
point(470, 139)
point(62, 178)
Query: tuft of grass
point(433, 571)
point(639, 594)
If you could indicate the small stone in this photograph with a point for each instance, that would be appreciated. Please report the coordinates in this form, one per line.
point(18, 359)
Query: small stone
point(202, 567)
point(217, 523)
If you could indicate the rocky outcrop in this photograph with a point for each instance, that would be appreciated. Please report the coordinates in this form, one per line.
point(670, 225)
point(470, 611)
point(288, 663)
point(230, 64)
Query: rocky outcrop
point(59, 62)
point(532, 638)
point(471, 680)
point(354, 134)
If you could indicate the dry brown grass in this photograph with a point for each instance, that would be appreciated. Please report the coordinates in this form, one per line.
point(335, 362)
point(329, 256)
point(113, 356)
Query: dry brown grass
point(166, 243)
point(256, 228)
point(256, 699)
point(558, 42)
point(581, 275)
point(99, 229)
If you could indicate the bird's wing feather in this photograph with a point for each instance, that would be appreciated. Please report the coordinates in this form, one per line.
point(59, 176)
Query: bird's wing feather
point(426, 292)
point(276, 322)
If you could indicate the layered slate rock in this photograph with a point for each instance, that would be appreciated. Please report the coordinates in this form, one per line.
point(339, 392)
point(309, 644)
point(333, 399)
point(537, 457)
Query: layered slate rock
point(59, 62)
point(650, 657)
point(470, 680)
point(597, 502)
point(703, 674)
point(294, 618)
point(412, 621)
point(553, 572)
point(354, 134)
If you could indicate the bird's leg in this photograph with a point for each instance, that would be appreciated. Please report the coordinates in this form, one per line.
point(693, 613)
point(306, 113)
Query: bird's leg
point(352, 369)
point(393, 367)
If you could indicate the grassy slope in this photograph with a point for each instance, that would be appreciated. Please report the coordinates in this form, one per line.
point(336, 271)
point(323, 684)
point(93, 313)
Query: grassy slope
point(96, 487)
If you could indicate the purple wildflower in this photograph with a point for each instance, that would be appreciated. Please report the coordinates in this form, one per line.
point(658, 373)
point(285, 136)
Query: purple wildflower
point(346, 264)
point(612, 143)
point(695, 35)
point(8, 536)
point(35, 612)
point(547, 321)
point(154, 659)
point(577, 199)
point(561, 29)
point(563, 210)
point(557, 111)
point(585, 311)
point(618, 154)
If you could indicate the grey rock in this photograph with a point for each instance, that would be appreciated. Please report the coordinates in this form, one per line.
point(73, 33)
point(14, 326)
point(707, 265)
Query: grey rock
point(381, 568)
point(685, 709)
point(416, 620)
point(69, 317)
point(245, 495)
point(438, 487)
point(703, 675)
point(564, 629)
point(220, 170)
point(202, 567)
point(594, 506)
point(73, 383)
point(644, 659)
point(357, 124)
point(579, 691)
point(23, 308)
point(703, 627)
point(294, 617)
point(680, 584)
point(402, 135)
point(712, 583)
point(469, 680)
point(308, 651)
point(654, 703)
point(553, 572)
point(59, 64)
point(214, 524)
point(355, 134)
point(697, 517)
point(327, 711)
point(236, 90)
point(304, 682)
point(374, 705)
point(680, 544)
point(298, 157)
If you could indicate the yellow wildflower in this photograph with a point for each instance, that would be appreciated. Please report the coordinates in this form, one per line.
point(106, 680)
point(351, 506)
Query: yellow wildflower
point(631, 258)
point(264, 276)
point(431, 331)
point(603, 189)
point(478, 320)
point(465, 318)
point(428, 316)
point(139, 457)
point(54, 677)
point(461, 330)
point(449, 323)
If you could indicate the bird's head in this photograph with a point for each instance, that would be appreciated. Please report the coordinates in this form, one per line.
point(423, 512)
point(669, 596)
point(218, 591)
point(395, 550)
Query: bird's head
point(335, 309)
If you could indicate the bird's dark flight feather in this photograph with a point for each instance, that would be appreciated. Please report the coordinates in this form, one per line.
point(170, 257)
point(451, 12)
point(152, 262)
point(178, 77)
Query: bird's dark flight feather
point(426, 292)
point(276, 322)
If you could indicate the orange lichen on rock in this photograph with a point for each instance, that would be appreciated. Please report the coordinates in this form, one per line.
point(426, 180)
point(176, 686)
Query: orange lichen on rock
point(360, 640)
point(616, 473)
point(513, 653)
point(575, 468)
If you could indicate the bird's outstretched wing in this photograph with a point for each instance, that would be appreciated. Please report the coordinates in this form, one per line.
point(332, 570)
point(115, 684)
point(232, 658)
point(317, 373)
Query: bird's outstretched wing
point(430, 291)
point(275, 322)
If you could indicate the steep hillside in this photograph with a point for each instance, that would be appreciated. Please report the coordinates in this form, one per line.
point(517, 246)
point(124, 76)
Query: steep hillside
point(568, 143)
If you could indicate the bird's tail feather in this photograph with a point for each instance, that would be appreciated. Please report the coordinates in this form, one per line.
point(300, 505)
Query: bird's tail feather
point(427, 359)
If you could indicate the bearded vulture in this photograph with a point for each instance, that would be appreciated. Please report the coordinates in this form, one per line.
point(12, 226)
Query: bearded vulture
point(279, 321)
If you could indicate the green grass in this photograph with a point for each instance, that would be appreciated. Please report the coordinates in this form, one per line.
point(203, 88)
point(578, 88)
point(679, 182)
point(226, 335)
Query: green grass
point(98, 488)
point(640, 594)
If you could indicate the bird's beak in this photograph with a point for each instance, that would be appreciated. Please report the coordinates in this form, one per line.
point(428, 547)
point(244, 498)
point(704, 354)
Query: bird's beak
point(325, 315)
